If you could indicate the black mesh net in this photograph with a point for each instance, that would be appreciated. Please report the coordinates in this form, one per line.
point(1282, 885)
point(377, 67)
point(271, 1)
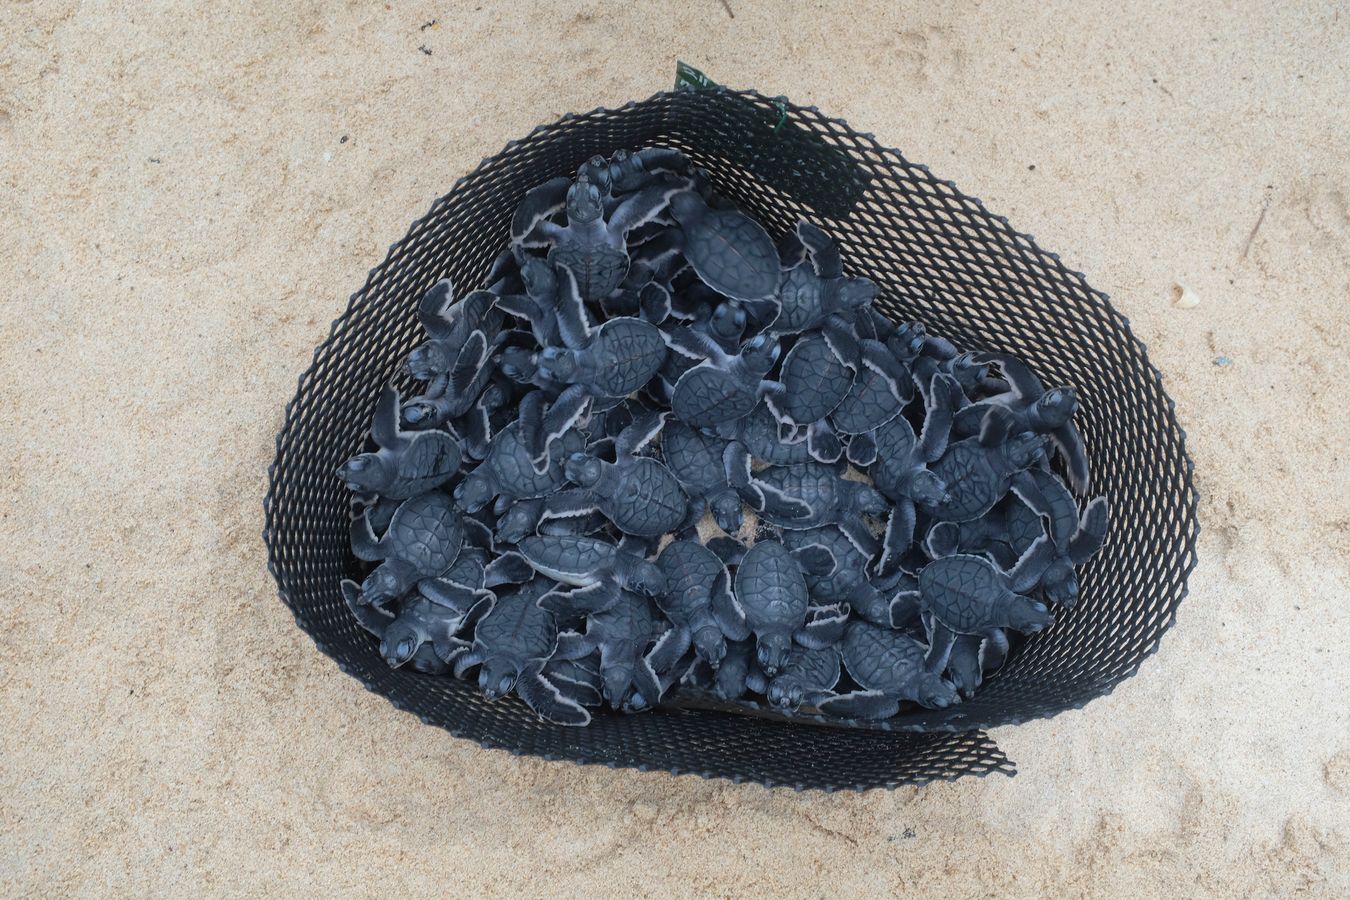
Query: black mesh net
point(936, 255)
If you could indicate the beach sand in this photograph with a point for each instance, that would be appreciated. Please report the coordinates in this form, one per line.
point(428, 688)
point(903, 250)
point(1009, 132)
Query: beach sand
point(189, 195)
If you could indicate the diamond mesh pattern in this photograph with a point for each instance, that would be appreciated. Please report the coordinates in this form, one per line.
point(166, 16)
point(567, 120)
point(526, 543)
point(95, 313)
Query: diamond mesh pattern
point(937, 255)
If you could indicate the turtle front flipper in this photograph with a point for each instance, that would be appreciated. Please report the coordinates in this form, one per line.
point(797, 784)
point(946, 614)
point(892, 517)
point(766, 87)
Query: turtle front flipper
point(861, 450)
point(574, 323)
point(824, 627)
point(548, 702)
point(582, 601)
point(1091, 532)
point(370, 618)
point(384, 425)
point(509, 568)
point(540, 203)
point(727, 610)
point(899, 535)
point(364, 545)
point(1070, 448)
point(870, 705)
point(905, 609)
point(937, 419)
point(940, 643)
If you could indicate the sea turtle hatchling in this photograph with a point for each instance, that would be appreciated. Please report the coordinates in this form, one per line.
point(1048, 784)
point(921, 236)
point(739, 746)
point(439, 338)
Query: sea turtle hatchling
point(807, 495)
point(816, 377)
point(454, 361)
point(508, 473)
point(596, 567)
point(697, 461)
point(722, 388)
point(731, 252)
point(512, 643)
point(409, 637)
point(698, 599)
point(771, 589)
point(889, 668)
point(808, 678)
point(630, 665)
point(407, 463)
point(1054, 569)
point(423, 539)
point(637, 493)
point(979, 471)
point(758, 434)
point(879, 394)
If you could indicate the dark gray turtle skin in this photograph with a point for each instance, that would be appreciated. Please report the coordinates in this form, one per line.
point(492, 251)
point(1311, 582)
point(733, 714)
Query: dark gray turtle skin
point(972, 657)
point(422, 540)
point(1053, 569)
point(827, 498)
point(526, 517)
point(698, 599)
point(758, 434)
point(512, 644)
point(696, 459)
point(730, 251)
point(889, 667)
point(722, 324)
point(406, 464)
point(869, 597)
point(410, 636)
point(637, 493)
point(621, 356)
point(771, 589)
point(509, 471)
point(977, 474)
point(1034, 409)
point(723, 388)
point(537, 308)
point(813, 286)
point(808, 677)
point(815, 382)
point(624, 634)
point(596, 567)
point(591, 245)
point(454, 362)
point(883, 386)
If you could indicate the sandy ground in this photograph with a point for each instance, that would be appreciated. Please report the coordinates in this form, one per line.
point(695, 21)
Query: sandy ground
point(188, 196)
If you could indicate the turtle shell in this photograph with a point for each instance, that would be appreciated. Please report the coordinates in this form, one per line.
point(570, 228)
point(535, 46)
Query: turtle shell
point(759, 433)
point(647, 500)
point(430, 461)
point(627, 353)
point(895, 456)
point(690, 569)
point(816, 380)
point(973, 484)
point(733, 255)
point(881, 659)
point(510, 461)
point(813, 483)
point(598, 267)
point(426, 532)
point(572, 559)
point(708, 395)
point(771, 588)
point(694, 457)
point(1023, 525)
point(516, 627)
point(812, 670)
point(962, 591)
point(869, 404)
point(800, 301)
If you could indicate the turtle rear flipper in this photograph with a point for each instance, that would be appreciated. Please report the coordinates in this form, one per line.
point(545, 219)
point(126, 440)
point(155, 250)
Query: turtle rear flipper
point(861, 450)
point(539, 205)
point(364, 545)
point(729, 550)
point(905, 609)
point(726, 609)
point(824, 627)
point(899, 535)
point(638, 434)
point(369, 617)
point(1070, 447)
point(594, 598)
point(870, 705)
point(822, 443)
point(549, 703)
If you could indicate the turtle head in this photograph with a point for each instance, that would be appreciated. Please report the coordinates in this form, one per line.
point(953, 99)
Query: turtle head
point(646, 578)
point(855, 293)
point(615, 681)
point(583, 202)
point(1061, 583)
point(518, 364)
point(785, 692)
point(583, 470)
point(760, 353)
point(627, 170)
point(907, 342)
point(968, 372)
point(1027, 615)
point(773, 651)
point(516, 524)
point(428, 360)
point(399, 643)
point(728, 321)
point(1057, 406)
point(727, 511)
point(927, 489)
point(540, 280)
point(1021, 450)
point(496, 677)
point(869, 500)
point(710, 644)
point(596, 170)
point(687, 207)
point(935, 692)
point(364, 473)
point(474, 492)
point(559, 363)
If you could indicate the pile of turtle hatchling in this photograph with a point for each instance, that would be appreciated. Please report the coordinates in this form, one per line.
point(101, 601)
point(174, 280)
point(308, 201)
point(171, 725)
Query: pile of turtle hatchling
point(660, 456)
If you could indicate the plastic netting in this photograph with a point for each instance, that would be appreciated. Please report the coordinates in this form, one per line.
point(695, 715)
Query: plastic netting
point(936, 255)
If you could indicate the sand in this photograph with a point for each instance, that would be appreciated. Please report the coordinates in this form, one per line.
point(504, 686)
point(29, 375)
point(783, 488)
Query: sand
point(188, 196)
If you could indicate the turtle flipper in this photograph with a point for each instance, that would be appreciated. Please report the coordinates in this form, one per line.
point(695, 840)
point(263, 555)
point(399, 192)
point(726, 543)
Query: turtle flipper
point(370, 618)
point(862, 450)
point(997, 425)
point(451, 595)
point(434, 310)
point(899, 535)
point(654, 302)
point(638, 434)
point(644, 206)
point(596, 598)
point(574, 324)
point(857, 534)
point(994, 650)
point(530, 429)
point(646, 690)
point(540, 203)
point(384, 425)
point(574, 645)
point(543, 697)
point(940, 642)
point(1047, 496)
point(821, 249)
point(824, 626)
point(816, 559)
point(905, 606)
point(568, 504)
point(1031, 565)
point(473, 356)
point(696, 345)
point(668, 649)
point(364, 545)
point(859, 705)
point(1070, 446)
point(509, 568)
point(944, 539)
point(937, 420)
point(822, 443)
point(841, 340)
point(1091, 532)
point(1021, 380)
point(522, 306)
point(730, 551)
point(727, 610)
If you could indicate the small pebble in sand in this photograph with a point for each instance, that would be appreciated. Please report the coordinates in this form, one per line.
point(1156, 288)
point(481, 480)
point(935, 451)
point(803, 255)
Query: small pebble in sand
point(1222, 361)
point(1183, 297)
